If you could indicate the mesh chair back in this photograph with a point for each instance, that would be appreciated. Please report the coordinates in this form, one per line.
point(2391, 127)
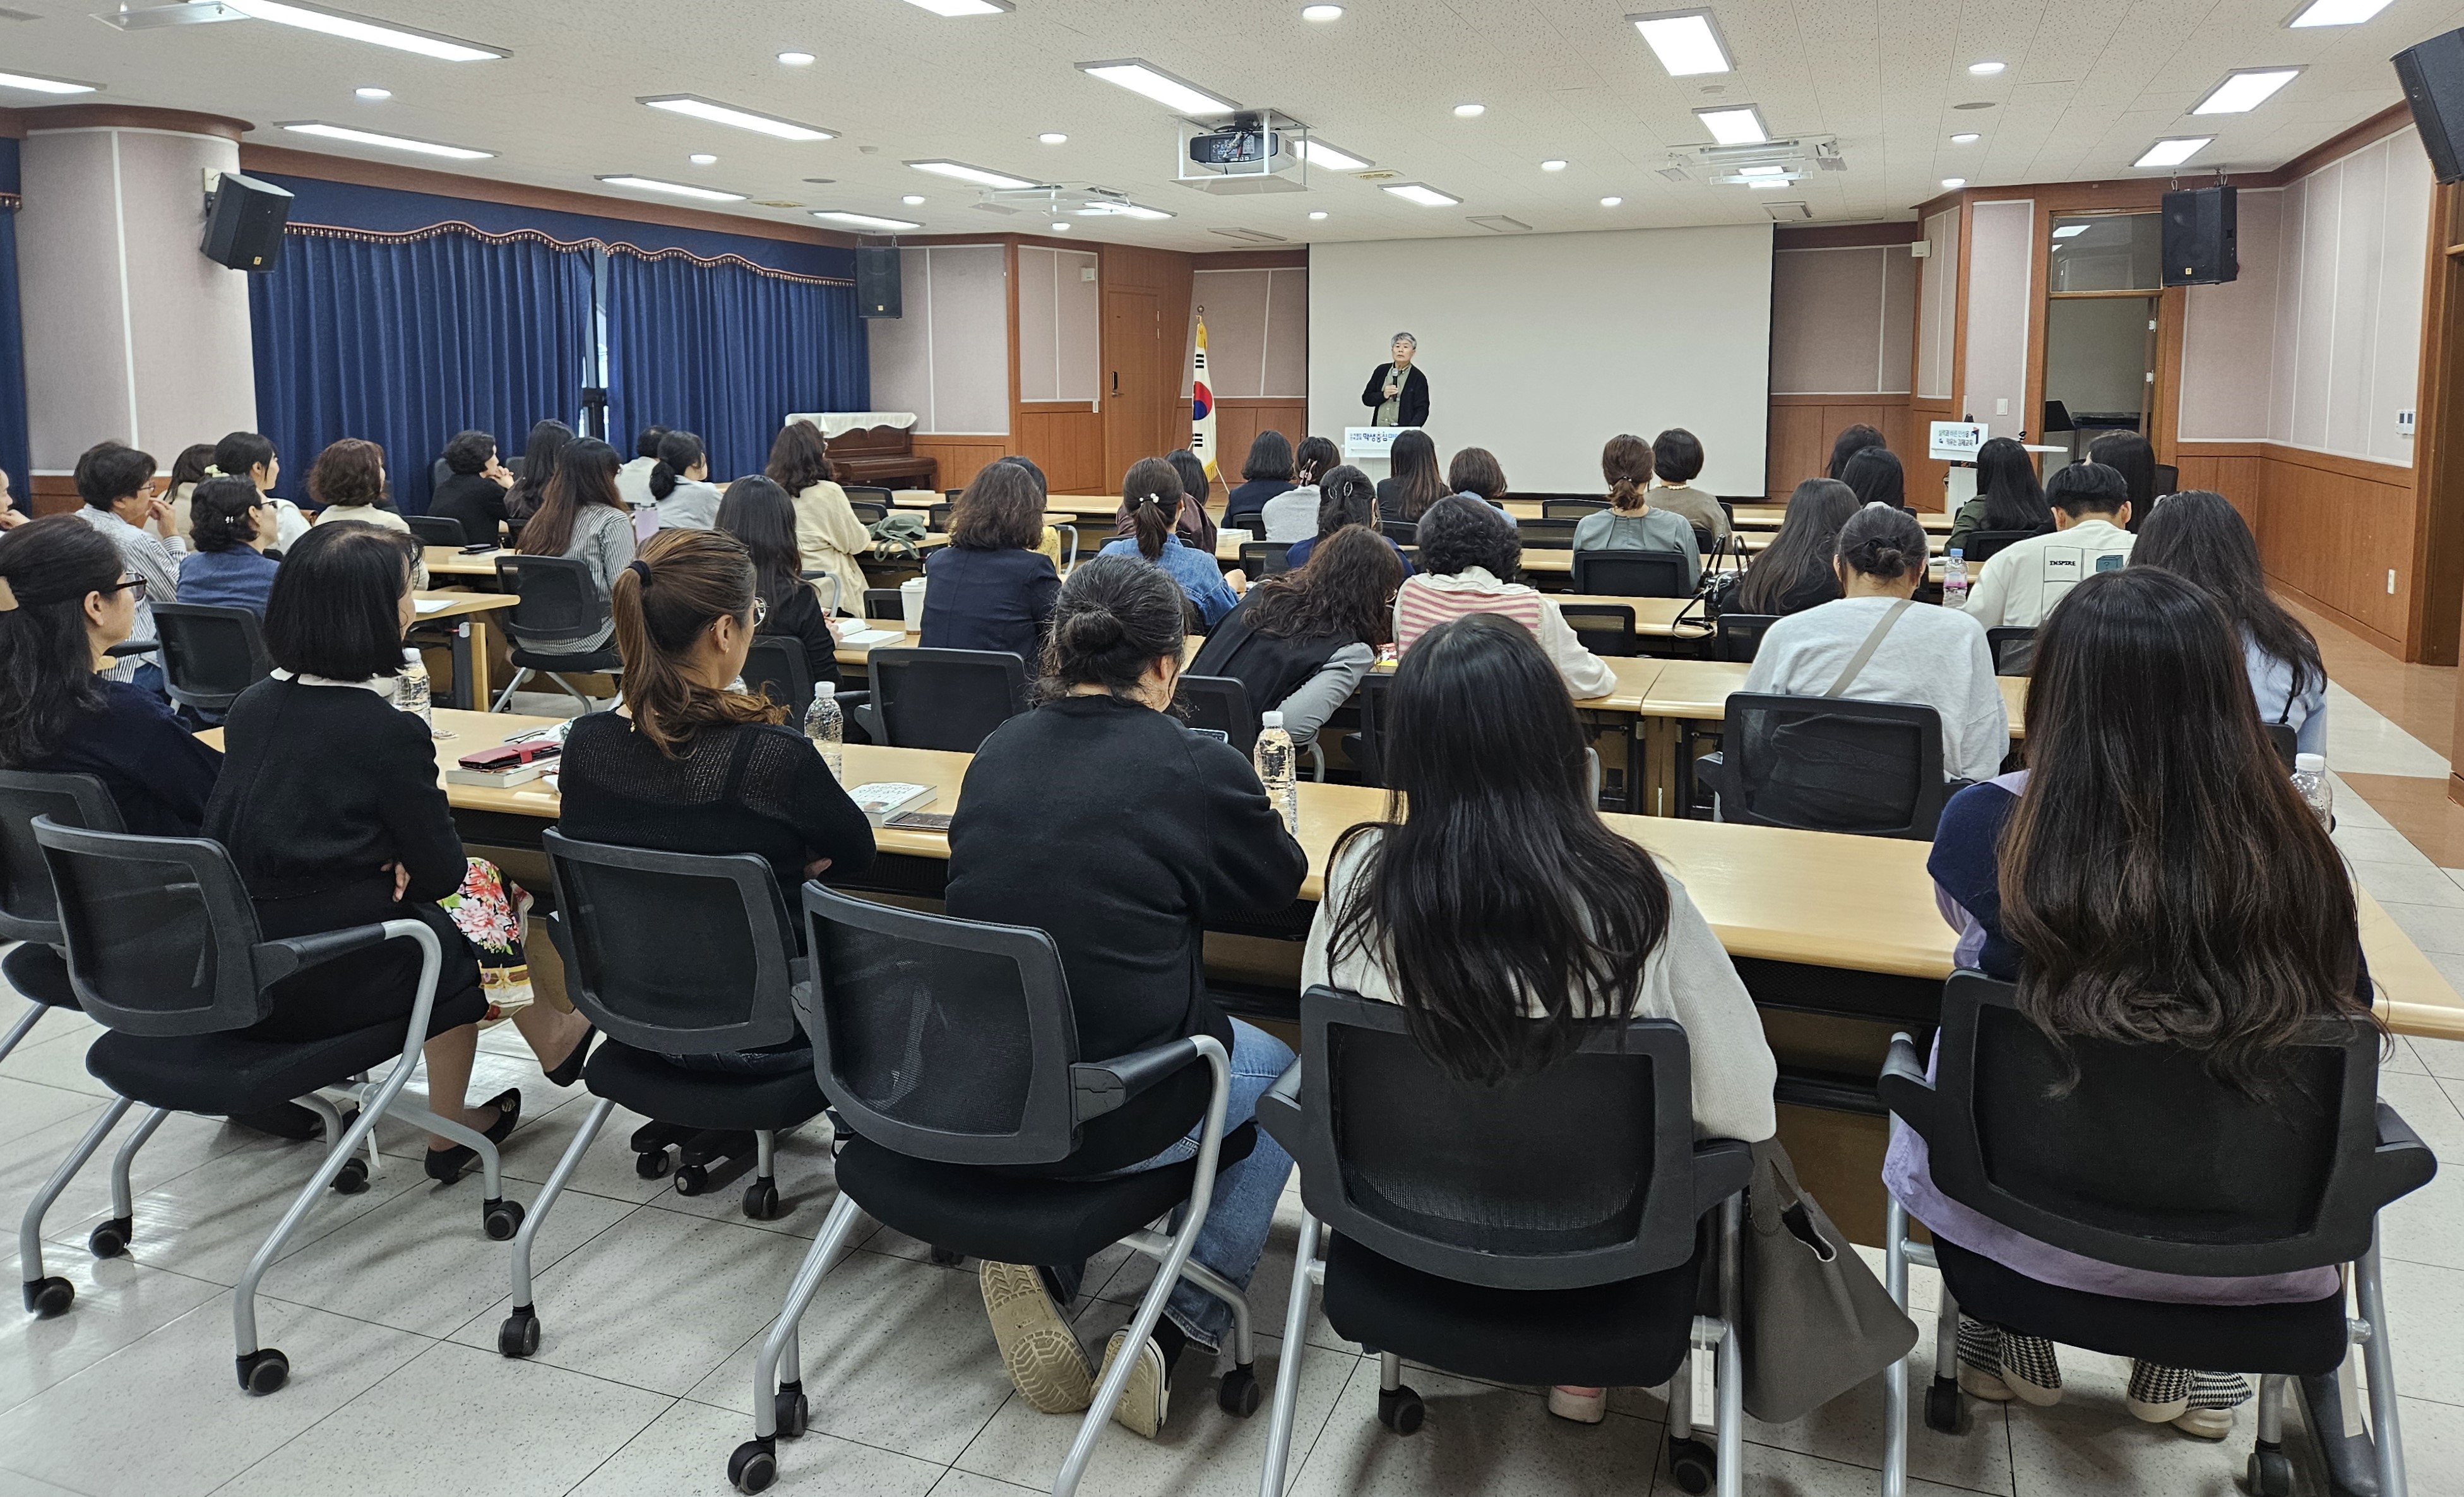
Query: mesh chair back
point(2168, 479)
point(942, 1039)
point(1476, 1183)
point(776, 668)
point(868, 512)
point(938, 518)
point(159, 932)
point(1631, 574)
point(2056, 1143)
point(1546, 534)
point(1604, 629)
point(1220, 704)
point(1266, 558)
point(1982, 544)
point(1369, 754)
point(945, 698)
point(559, 602)
point(1570, 509)
point(1739, 636)
point(618, 912)
point(210, 654)
point(866, 494)
point(884, 603)
point(1402, 531)
point(440, 530)
point(1833, 765)
point(29, 909)
point(2013, 649)
point(2286, 741)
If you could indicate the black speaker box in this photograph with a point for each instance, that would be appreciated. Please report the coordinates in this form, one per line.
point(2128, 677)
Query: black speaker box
point(244, 224)
point(877, 281)
point(2199, 248)
point(2432, 75)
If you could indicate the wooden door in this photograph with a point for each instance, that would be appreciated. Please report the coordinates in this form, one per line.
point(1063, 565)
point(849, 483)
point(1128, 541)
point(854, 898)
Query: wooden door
point(1134, 379)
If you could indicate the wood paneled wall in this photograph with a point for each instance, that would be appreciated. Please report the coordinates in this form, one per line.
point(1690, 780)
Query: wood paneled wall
point(962, 458)
point(1802, 428)
point(2330, 529)
point(1066, 439)
point(1238, 421)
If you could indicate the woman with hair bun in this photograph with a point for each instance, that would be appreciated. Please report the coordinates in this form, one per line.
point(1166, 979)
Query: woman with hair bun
point(1923, 655)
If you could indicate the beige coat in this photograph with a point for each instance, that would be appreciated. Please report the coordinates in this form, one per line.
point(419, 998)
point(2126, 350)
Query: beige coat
point(832, 537)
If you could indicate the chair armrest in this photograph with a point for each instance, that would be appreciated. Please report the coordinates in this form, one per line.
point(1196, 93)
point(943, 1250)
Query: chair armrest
point(1279, 1109)
point(133, 647)
point(278, 959)
point(1903, 1085)
point(1098, 1088)
point(2408, 1162)
point(1722, 1168)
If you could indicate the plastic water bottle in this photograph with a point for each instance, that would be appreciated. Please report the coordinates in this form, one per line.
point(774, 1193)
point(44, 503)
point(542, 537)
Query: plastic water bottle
point(2318, 791)
point(1954, 579)
point(410, 691)
point(826, 726)
point(1274, 759)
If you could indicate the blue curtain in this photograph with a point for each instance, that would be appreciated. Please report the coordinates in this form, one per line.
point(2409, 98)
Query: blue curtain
point(728, 353)
point(15, 459)
point(404, 342)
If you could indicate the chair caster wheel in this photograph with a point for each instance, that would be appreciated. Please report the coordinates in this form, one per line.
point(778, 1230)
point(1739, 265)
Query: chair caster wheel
point(500, 1220)
point(110, 1239)
point(2270, 1473)
point(353, 1177)
point(264, 1370)
point(754, 1467)
point(761, 1202)
point(1942, 1405)
point(1693, 1465)
point(1402, 1410)
point(519, 1334)
point(948, 1257)
point(652, 1164)
point(1240, 1394)
point(690, 1178)
point(789, 1410)
point(48, 1297)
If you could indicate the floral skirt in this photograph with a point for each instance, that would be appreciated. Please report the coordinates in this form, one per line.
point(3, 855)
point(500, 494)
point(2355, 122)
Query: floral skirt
point(488, 910)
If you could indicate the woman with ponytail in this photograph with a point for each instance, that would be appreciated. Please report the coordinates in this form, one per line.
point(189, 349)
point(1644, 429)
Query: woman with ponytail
point(1629, 522)
point(1150, 504)
point(1345, 497)
point(680, 486)
point(1168, 833)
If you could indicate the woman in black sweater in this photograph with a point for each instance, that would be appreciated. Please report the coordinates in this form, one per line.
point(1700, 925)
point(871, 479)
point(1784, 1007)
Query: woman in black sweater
point(474, 497)
point(330, 806)
point(1126, 884)
point(989, 588)
point(757, 511)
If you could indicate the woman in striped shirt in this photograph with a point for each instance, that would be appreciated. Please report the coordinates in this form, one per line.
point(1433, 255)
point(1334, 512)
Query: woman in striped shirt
point(1467, 550)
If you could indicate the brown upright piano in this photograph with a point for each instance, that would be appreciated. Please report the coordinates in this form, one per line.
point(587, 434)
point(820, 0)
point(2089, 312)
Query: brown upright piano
point(880, 455)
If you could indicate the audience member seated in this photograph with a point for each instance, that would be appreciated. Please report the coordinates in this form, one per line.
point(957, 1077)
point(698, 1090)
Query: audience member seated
point(246, 455)
point(1676, 457)
point(1467, 550)
point(188, 470)
point(680, 486)
point(1196, 527)
point(1303, 641)
point(1921, 655)
point(1503, 962)
point(1292, 515)
point(116, 484)
point(229, 530)
point(2153, 878)
point(1475, 471)
point(1799, 568)
point(2020, 583)
point(2129, 454)
point(1151, 493)
point(348, 480)
point(758, 514)
point(1876, 475)
point(2007, 497)
point(1266, 473)
point(474, 497)
point(1345, 497)
point(1851, 441)
point(1632, 523)
point(64, 600)
point(11, 517)
point(542, 451)
point(1415, 482)
point(1170, 834)
point(2199, 535)
point(1051, 545)
point(633, 478)
point(827, 530)
point(582, 520)
point(330, 808)
point(989, 588)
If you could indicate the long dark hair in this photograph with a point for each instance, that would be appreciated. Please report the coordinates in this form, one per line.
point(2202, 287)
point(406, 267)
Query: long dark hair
point(663, 600)
point(1851, 441)
point(1270, 456)
point(757, 512)
point(46, 676)
point(1151, 496)
point(678, 452)
point(586, 475)
point(2199, 535)
point(2129, 454)
point(1875, 476)
point(1412, 465)
point(1346, 591)
point(540, 451)
point(1802, 552)
point(1115, 619)
point(1502, 886)
point(2006, 475)
point(190, 467)
point(2159, 873)
point(1345, 497)
point(1194, 482)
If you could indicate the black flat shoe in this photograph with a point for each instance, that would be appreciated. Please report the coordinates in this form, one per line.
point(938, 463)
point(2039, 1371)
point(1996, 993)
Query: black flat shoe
point(448, 1164)
point(290, 1121)
point(568, 1070)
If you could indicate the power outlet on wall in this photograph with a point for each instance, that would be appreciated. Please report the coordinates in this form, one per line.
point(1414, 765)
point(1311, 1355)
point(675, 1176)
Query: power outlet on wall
point(2403, 423)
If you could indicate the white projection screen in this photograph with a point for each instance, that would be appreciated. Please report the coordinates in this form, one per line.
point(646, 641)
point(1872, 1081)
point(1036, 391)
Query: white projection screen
point(1540, 347)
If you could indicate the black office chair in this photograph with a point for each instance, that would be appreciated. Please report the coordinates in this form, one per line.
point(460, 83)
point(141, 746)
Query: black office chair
point(867, 494)
point(1547, 535)
point(1366, 749)
point(1402, 531)
point(952, 494)
point(1264, 558)
point(1631, 574)
point(1603, 628)
point(1466, 1239)
point(950, 1048)
point(210, 653)
point(163, 952)
point(38, 967)
point(2050, 1139)
point(1570, 509)
point(1829, 763)
point(1220, 704)
point(1739, 636)
point(618, 912)
point(775, 666)
point(439, 530)
point(868, 512)
point(885, 603)
point(559, 603)
point(2168, 479)
point(1982, 545)
point(937, 519)
point(2013, 649)
point(949, 699)
point(2282, 737)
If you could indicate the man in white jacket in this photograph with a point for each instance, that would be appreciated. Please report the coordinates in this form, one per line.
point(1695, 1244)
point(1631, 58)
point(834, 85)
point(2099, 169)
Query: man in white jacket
point(2022, 582)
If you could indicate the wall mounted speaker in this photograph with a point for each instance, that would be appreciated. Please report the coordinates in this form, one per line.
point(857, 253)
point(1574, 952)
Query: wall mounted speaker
point(2432, 75)
point(877, 281)
point(244, 221)
point(2199, 249)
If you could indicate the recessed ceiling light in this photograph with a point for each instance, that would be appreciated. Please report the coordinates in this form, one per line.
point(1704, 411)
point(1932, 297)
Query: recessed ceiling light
point(1471, 111)
point(912, 200)
point(797, 59)
point(863, 220)
point(1610, 202)
point(1985, 70)
point(680, 189)
point(374, 95)
point(1145, 78)
point(2067, 230)
point(1422, 193)
point(703, 159)
point(1334, 157)
point(394, 143)
point(1060, 226)
point(1053, 137)
point(356, 28)
point(1954, 184)
point(1320, 213)
point(975, 174)
point(963, 6)
point(1734, 124)
point(1966, 137)
point(694, 106)
point(2337, 13)
point(2245, 89)
point(1763, 171)
point(1321, 13)
point(2174, 151)
point(42, 85)
point(1684, 41)
point(1553, 165)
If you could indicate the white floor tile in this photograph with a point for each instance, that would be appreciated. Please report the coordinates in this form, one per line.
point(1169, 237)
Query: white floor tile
point(2362, 741)
point(55, 1057)
point(2408, 882)
point(118, 1302)
point(13, 1484)
point(28, 1107)
point(2442, 1058)
point(1849, 1429)
point(967, 1484)
point(2426, 1303)
point(683, 1453)
point(2433, 1446)
point(2383, 845)
point(1787, 1473)
point(2428, 1225)
point(2089, 1444)
point(1477, 1438)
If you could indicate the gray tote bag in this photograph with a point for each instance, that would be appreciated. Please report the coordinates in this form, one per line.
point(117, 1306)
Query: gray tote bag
point(1814, 1320)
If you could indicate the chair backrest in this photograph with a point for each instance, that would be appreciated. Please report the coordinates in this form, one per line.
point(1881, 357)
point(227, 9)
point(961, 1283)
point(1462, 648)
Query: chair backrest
point(211, 654)
point(1264, 558)
point(1411, 555)
point(1402, 531)
point(160, 936)
point(1739, 636)
point(29, 909)
point(2168, 479)
point(620, 912)
point(1604, 629)
point(942, 1039)
point(1547, 534)
point(2054, 1141)
point(1832, 763)
point(945, 698)
point(868, 512)
point(1371, 699)
point(2285, 741)
point(937, 519)
point(1981, 545)
point(1570, 509)
point(439, 530)
point(1631, 574)
point(884, 603)
point(1220, 704)
point(2013, 649)
point(867, 493)
point(1068, 534)
point(559, 600)
point(776, 668)
point(1475, 1183)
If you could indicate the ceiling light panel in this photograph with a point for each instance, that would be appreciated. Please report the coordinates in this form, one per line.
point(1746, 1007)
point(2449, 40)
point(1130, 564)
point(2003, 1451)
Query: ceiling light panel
point(2337, 13)
point(359, 28)
point(1422, 193)
point(1332, 157)
point(2069, 230)
point(2244, 89)
point(2174, 151)
point(1145, 78)
point(42, 85)
point(959, 8)
point(1687, 43)
point(863, 220)
point(978, 175)
point(695, 107)
point(1734, 124)
point(391, 143)
point(674, 188)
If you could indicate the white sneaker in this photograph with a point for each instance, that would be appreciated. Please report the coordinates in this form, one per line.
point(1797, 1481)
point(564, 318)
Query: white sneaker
point(1146, 1399)
point(1037, 1346)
